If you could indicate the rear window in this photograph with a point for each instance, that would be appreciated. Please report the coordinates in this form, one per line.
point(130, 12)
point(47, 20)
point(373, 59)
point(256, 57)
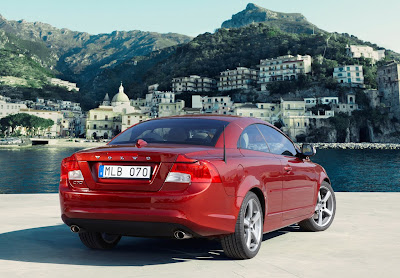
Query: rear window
point(174, 131)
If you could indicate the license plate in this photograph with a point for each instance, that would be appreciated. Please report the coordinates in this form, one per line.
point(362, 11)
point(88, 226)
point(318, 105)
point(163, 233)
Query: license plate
point(124, 172)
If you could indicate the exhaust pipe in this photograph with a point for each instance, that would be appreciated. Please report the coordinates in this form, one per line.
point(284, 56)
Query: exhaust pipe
point(75, 229)
point(182, 235)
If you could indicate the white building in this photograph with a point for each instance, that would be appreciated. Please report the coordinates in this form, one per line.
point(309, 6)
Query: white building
point(193, 83)
point(349, 74)
point(8, 108)
point(213, 105)
point(358, 51)
point(283, 68)
point(66, 84)
point(347, 107)
point(239, 78)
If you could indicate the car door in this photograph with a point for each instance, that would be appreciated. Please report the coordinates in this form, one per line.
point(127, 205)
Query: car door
point(262, 168)
point(298, 175)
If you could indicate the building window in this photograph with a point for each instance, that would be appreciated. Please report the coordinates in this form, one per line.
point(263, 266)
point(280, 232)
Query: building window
point(95, 117)
point(106, 118)
point(105, 126)
point(94, 126)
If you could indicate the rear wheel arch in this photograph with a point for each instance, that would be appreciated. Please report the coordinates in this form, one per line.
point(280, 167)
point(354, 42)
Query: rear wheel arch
point(261, 198)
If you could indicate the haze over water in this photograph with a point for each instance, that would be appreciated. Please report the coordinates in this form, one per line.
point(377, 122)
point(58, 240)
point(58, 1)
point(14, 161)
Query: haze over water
point(37, 169)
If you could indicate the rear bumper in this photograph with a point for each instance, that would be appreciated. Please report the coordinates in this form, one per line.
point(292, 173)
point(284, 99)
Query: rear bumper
point(208, 212)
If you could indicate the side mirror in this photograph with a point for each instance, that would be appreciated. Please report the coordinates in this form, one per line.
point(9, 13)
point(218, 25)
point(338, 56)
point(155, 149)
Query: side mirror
point(308, 150)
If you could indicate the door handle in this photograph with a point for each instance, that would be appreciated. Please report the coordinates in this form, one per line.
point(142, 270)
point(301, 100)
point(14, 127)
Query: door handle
point(287, 168)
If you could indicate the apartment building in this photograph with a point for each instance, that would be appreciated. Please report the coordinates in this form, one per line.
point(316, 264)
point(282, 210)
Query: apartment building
point(294, 117)
point(171, 109)
point(193, 83)
point(239, 78)
point(358, 51)
point(349, 74)
point(283, 68)
point(62, 83)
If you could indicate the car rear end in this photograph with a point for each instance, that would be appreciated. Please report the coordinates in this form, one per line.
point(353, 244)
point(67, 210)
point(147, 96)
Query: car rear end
point(148, 190)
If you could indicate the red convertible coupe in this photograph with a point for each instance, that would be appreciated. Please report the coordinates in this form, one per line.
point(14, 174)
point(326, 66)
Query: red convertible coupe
point(223, 177)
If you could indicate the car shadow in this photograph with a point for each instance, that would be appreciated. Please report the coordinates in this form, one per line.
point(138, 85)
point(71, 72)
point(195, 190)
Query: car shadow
point(57, 245)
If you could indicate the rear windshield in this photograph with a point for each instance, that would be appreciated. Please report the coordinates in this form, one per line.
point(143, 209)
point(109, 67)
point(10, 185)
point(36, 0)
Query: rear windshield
point(190, 131)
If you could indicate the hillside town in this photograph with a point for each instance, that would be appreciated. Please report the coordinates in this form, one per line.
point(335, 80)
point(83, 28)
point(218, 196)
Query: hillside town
point(292, 114)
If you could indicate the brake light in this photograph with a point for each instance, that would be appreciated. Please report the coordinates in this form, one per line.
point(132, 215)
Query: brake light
point(70, 171)
point(198, 171)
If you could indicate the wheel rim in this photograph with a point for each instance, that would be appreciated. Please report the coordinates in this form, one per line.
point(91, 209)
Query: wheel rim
point(325, 207)
point(252, 225)
point(109, 238)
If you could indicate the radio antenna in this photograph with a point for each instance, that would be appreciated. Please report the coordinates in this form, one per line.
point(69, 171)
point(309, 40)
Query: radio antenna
point(224, 145)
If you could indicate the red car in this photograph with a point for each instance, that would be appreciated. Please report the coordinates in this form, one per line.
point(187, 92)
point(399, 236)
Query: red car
point(223, 177)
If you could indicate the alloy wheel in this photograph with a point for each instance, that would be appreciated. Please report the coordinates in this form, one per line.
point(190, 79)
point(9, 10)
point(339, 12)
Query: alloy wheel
point(252, 225)
point(324, 208)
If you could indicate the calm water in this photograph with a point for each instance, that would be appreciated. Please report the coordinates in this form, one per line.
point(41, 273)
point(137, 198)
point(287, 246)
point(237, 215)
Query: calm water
point(37, 169)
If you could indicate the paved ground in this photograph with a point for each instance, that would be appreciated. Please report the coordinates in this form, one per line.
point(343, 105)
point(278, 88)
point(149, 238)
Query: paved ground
point(363, 242)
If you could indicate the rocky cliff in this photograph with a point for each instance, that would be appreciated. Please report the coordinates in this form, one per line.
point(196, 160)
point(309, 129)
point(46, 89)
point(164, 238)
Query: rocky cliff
point(288, 22)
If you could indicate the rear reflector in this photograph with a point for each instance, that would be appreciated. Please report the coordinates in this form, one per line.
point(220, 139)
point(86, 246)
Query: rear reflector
point(75, 175)
point(178, 177)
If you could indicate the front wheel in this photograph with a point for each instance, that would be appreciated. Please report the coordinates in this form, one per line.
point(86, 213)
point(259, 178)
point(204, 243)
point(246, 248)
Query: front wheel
point(96, 240)
point(325, 210)
point(245, 242)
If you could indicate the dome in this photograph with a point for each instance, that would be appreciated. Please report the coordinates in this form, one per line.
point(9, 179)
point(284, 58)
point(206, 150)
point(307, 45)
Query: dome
point(121, 96)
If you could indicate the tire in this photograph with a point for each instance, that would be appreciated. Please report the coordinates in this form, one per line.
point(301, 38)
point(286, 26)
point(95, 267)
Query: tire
point(325, 210)
point(96, 240)
point(245, 242)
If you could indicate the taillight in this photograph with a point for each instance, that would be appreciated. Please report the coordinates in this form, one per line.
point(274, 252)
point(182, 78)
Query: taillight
point(186, 170)
point(70, 171)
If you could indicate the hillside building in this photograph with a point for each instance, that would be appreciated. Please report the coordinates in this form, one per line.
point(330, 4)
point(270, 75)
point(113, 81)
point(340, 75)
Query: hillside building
point(349, 74)
point(388, 79)
point(358, 51)
point(239, 78)
point(193, 83)
point(283, 68)
point(65, 84)
point(171, 109)
point(213, 105)
point(9, 108)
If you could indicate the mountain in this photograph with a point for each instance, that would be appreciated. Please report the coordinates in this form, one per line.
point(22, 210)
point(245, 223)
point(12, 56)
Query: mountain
point(79, 56)
point(287, 22)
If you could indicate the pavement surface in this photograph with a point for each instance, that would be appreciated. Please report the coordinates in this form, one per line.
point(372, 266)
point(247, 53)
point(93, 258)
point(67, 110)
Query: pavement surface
point(363, 241)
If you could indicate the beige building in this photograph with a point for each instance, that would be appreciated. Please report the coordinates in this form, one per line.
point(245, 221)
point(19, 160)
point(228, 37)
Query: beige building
point(283, 68)
point(269, 112)
point(294, 117)
point(388, 79)
point(349, 74)
point(171, 109)
point(193, 83)
point(348, 107)
point(239, 78)
point(358, 51)
point(131, 119)
point(56, 116)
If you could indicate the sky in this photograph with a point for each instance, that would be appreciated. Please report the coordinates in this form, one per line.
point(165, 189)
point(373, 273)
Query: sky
point(370, 20)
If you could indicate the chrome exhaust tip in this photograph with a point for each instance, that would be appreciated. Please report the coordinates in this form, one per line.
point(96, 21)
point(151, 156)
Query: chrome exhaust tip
point(181, 235)
point(75, 229)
